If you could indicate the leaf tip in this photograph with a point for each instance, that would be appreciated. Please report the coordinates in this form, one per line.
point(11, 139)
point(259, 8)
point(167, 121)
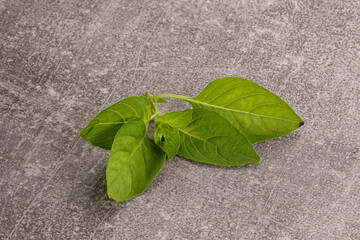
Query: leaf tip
point(300, 124)
point(112, 197)
point(109, 195)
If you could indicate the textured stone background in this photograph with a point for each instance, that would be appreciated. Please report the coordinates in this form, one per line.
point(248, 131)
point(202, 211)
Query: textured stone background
point(61, 61)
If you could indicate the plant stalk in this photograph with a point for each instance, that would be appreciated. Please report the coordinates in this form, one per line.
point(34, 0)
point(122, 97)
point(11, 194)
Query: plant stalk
point(173, 96)
point(154, 107)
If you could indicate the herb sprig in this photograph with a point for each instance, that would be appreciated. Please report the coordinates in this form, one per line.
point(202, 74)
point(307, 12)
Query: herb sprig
point(226, 118)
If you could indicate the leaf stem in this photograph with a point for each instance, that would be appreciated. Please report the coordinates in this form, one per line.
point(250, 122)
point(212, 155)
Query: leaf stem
point(157, 114)
point(154, 106)
point(173, 96)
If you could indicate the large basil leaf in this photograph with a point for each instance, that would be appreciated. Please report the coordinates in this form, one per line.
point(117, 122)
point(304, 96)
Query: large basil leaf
point(102, 129)
point(167, 138)
point(210, 138)
point(255, 111)
point(134, 162)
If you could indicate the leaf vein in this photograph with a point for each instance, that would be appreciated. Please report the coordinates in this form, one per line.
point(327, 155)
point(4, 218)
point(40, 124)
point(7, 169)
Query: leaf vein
point(115, 111)
point(228, 90)
point(249, 95)
point(237, 111)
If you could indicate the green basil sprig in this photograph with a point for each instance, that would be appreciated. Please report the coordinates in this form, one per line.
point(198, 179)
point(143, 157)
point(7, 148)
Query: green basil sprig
point(227, 117)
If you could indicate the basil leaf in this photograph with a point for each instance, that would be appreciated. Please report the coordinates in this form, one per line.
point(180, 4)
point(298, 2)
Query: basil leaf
point(167, 138)
point(158, 100)
point(102, 129)
point(134, 162)
point(210, 138)
point(255, 111)
point(176, 119)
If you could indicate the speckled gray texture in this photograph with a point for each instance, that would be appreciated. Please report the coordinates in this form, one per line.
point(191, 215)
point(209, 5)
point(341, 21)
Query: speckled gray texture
point(62, 61)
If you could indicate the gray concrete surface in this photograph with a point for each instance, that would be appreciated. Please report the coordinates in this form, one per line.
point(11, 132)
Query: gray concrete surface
point(62, 61)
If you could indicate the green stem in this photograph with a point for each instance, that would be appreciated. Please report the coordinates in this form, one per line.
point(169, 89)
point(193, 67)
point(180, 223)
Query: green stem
point(154, 107)
point(155, 115)
point(173, 96)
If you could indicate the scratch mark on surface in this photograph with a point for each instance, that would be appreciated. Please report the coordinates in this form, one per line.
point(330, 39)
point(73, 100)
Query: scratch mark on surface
point(145, 41)
point(280, 176)
point(97, 227)
point(36, 145)
point(42, 189)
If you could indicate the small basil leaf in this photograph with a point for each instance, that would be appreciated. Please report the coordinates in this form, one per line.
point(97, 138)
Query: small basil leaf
point(177, 118)
point(158, 100)
point(102, 129)
point(210, 138)
point(167, 138)
point(134, 162)
point(255, 111)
